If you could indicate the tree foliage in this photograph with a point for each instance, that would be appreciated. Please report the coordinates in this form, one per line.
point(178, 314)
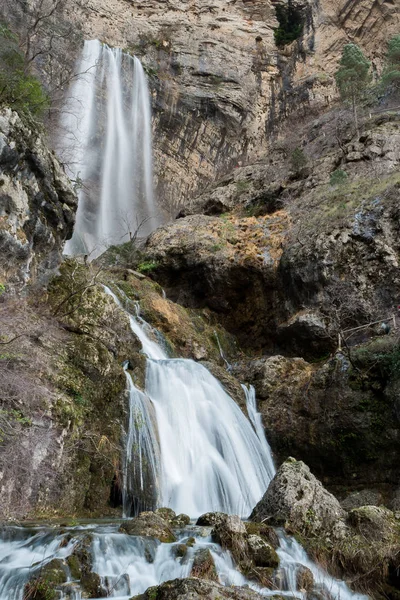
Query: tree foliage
point(19, 89)
point(391, 72)
point(353, 76)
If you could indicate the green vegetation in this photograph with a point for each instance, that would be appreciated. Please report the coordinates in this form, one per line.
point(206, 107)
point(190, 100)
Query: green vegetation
point(147, 266)
point(290, 25)
point(298, 160)
point(338, 177)
point(353, 77)
point(391, 73)
point(19, 89)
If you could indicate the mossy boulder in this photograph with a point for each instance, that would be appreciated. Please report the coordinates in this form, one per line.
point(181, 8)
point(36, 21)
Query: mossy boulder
point(262, 553)
point(149, 524)
point(296, 499)
point(44, 584)
point(264, 531)
point(174, 520)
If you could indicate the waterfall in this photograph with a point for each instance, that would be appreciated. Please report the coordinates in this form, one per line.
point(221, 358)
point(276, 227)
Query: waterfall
point(211, 457)
point(106, 142)
point(141, 464)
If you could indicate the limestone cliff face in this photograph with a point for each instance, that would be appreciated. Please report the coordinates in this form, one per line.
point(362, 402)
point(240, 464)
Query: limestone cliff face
point(220, 85)
point(37, 204)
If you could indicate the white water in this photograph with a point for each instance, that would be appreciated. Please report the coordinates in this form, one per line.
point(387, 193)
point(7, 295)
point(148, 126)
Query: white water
point(141, 464)
point(106, 142)
point(211, 458)
point(128, 565)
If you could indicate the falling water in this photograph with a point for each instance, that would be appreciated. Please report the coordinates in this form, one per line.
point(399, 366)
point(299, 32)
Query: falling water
point(141, 464)
point(106, 142)
point(211, 458)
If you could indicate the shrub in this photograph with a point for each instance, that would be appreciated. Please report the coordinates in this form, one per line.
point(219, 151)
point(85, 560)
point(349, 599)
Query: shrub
point(391, 72)
point(338, 177)
point(147, 266)
point(298, 159)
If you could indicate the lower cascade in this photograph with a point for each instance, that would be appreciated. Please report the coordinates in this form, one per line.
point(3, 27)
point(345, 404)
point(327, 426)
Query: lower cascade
point(188, 446)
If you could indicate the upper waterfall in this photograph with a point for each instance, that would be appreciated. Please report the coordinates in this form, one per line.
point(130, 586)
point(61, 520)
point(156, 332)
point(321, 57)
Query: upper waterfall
point(107, 145)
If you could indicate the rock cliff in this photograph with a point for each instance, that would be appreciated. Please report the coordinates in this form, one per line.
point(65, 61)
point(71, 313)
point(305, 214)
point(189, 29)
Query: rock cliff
point(37, 204)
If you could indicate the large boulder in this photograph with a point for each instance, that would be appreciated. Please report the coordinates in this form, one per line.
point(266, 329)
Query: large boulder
point(296, 499)
point(149, 524)
point(37, 204)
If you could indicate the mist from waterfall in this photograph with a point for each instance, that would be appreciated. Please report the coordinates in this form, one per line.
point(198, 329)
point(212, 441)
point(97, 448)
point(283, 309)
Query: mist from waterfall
point(106, 143)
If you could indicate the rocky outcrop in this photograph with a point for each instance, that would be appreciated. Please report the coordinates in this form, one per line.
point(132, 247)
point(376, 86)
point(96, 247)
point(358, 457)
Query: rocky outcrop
point(339, 416)
point(37, 204)
point(182, 589)
point(197, 257)
point(296, 499)
point(364, 542)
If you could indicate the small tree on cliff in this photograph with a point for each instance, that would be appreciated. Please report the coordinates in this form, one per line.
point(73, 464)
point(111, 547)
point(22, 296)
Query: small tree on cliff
point(353, 77)
point(391, 72)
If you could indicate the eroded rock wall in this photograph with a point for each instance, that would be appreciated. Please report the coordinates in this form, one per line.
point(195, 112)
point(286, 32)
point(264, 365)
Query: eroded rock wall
point(37, 204)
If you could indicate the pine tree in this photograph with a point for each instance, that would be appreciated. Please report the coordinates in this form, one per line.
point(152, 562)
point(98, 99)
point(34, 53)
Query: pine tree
point(391, 72)
point(353, 77)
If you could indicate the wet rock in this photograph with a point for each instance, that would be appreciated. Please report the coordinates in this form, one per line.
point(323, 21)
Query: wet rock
point(180, 521)
point(196, 589)
point(149, 524)
point(80, 563)
point(210, 519)
point(204, 566)
point(304, 579)
point(296, 499)
point(264, 531)
point(262, 553)
point(44, 583)
point(171, 518)
point(165, 513)
point(231, 534)
point(180, 550)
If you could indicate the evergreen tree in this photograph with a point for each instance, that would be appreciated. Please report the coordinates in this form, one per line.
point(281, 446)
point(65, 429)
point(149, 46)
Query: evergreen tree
point(391, 73)
point(353, 77)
